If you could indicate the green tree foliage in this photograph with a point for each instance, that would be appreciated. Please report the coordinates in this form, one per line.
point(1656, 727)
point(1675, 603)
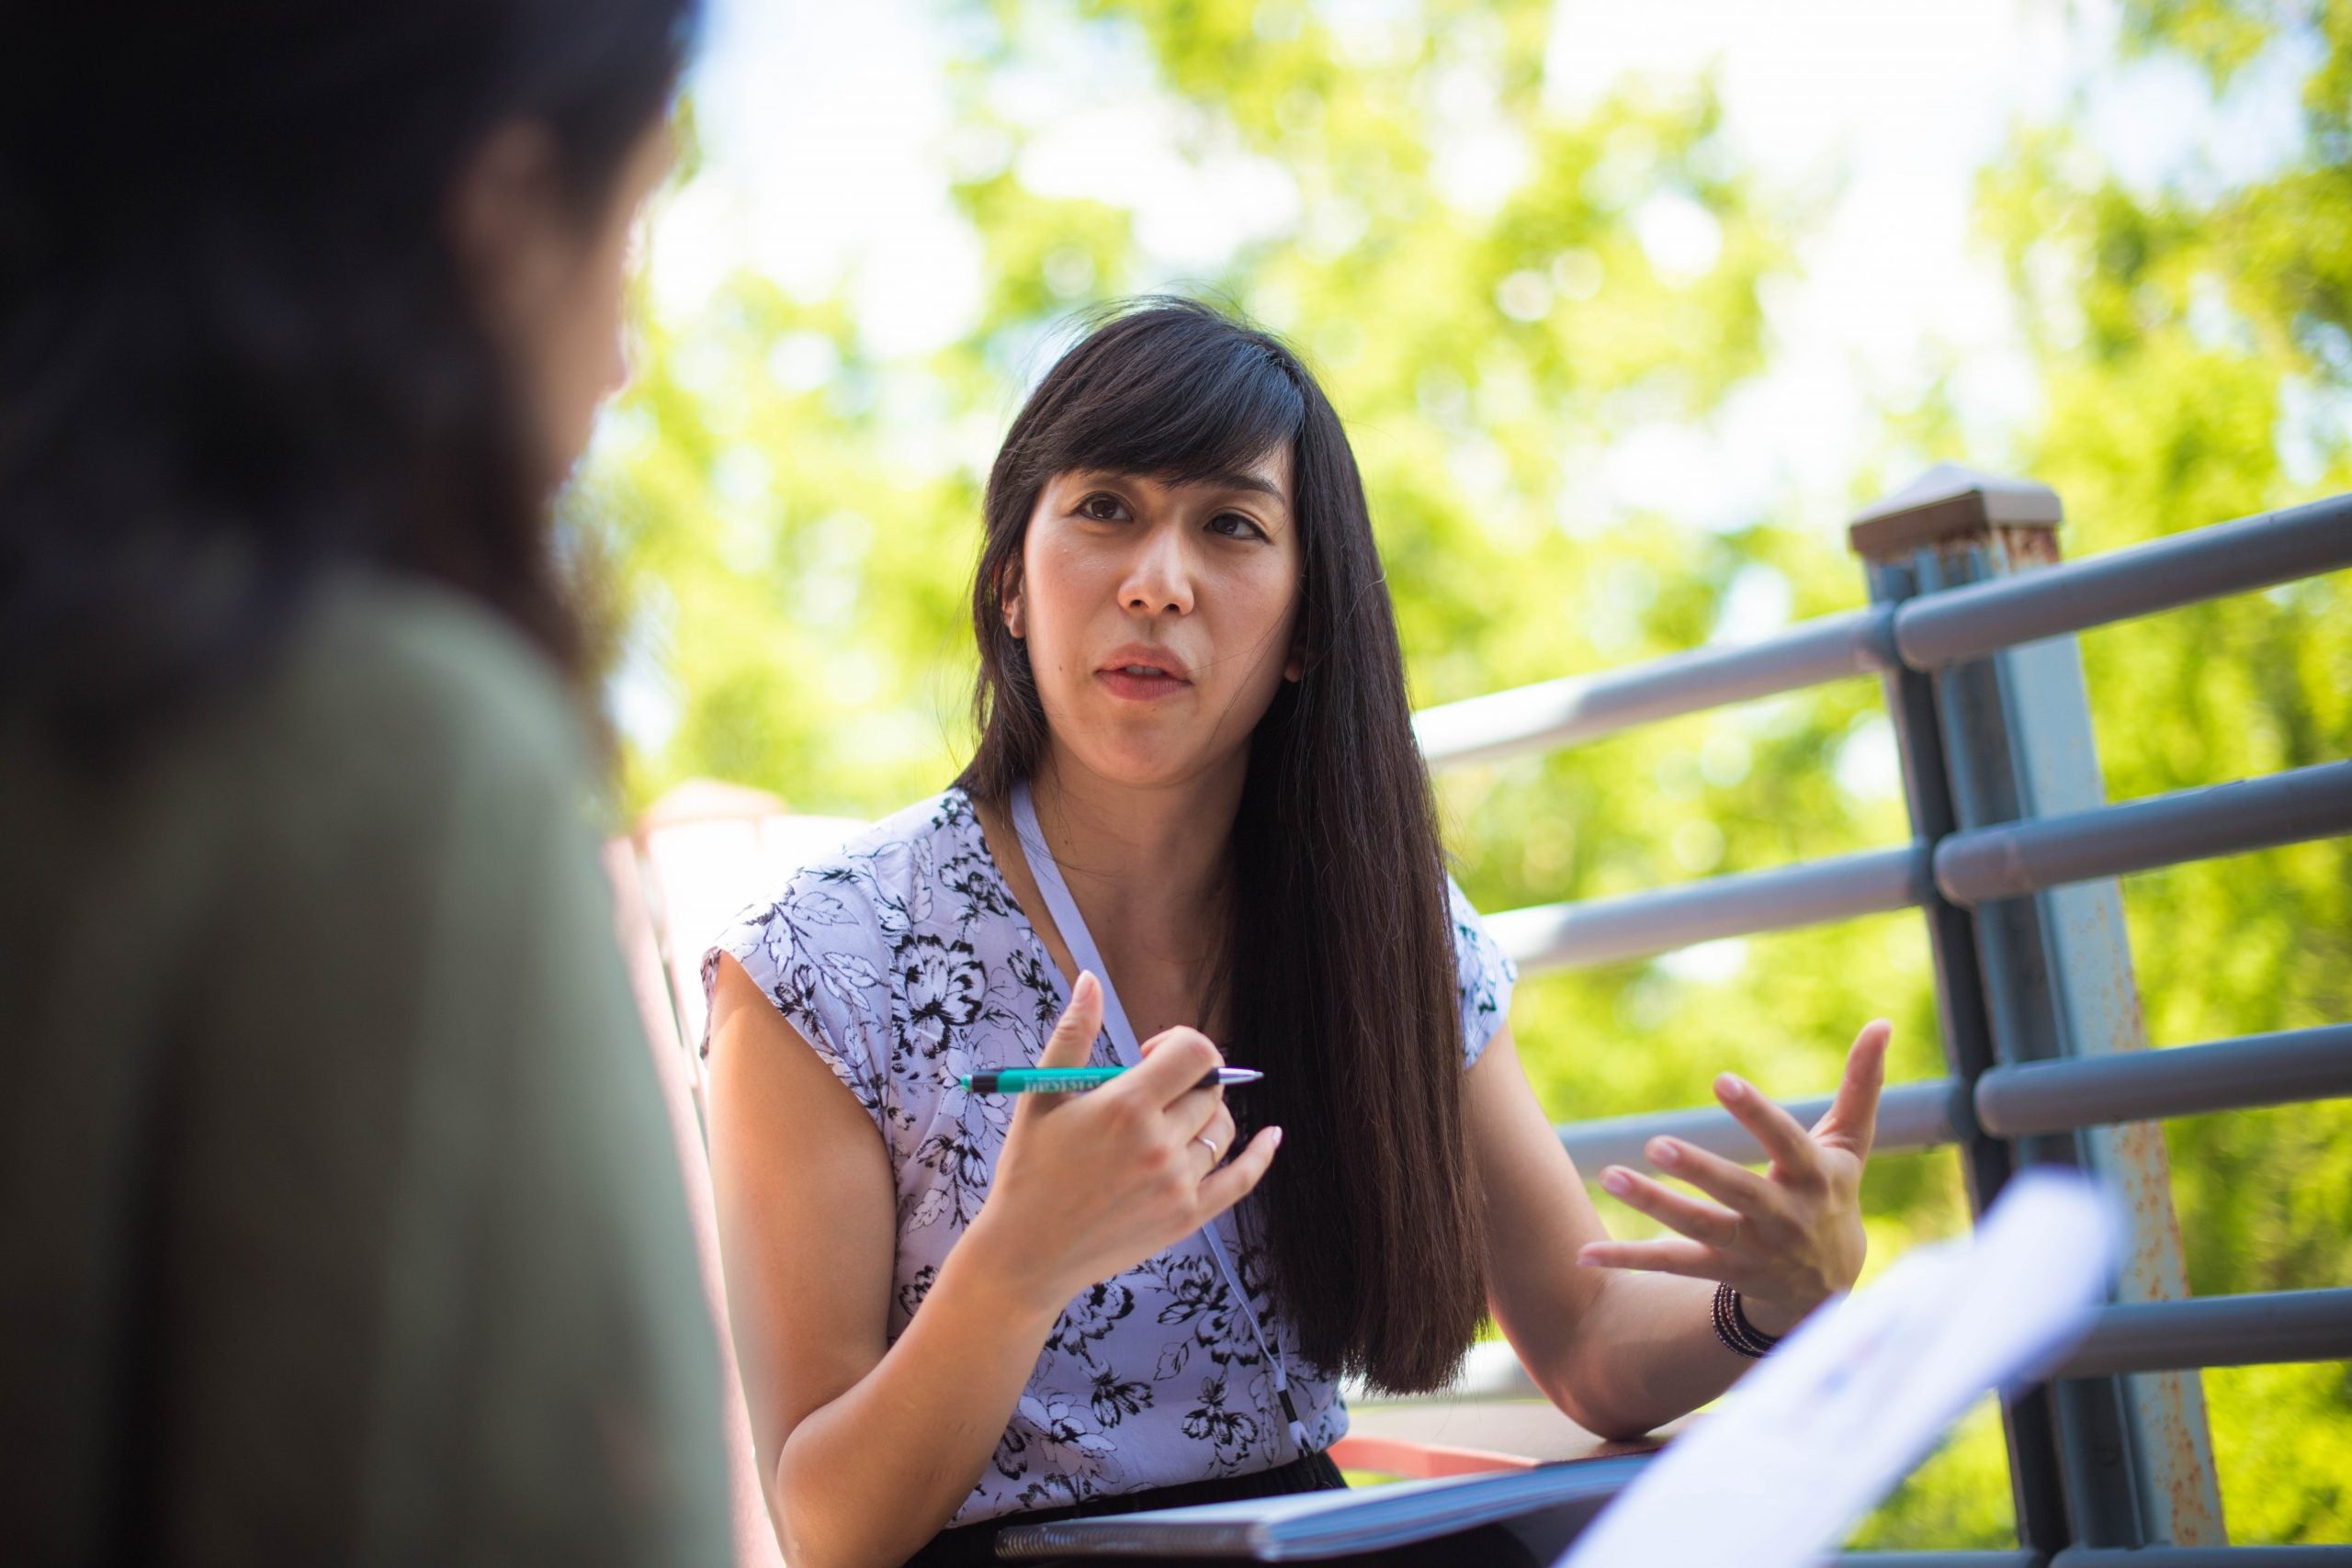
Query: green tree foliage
point(792, 516)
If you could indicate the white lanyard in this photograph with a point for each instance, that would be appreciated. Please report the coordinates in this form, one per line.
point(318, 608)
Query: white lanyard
point(1122, 1040)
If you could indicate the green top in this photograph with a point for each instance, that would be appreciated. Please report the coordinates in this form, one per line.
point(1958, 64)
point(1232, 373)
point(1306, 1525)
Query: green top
point(339, 1219)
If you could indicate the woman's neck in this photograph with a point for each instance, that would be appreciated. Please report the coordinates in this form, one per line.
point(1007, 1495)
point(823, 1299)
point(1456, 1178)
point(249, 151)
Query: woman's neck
point(1147, 865)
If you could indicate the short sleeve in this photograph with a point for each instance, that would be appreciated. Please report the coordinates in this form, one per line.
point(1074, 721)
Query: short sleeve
point(816, 954)
point(1484, 973)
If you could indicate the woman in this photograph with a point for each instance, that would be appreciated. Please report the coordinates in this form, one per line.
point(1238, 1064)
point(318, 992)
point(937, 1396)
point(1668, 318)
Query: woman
point(1196, 813)
point(338, 1216)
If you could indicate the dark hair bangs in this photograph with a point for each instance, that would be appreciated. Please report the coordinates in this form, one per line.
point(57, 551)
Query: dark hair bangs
point(1170, 392)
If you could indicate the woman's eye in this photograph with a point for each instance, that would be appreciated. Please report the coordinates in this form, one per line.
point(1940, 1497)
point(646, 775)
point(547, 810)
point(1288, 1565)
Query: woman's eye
point(1101, 507)
point(1234, 525)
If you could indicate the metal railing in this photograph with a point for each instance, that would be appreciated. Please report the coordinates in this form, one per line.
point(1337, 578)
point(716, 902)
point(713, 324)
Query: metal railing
point(2013, 860)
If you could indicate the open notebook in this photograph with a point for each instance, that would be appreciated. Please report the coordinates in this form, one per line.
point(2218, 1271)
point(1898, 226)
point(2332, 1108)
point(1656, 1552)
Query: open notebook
point(1820, 1430)
point(1307, 1525)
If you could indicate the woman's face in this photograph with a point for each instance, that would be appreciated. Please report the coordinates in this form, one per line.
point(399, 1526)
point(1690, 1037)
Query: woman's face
point(553, 286)
point(1160, 617)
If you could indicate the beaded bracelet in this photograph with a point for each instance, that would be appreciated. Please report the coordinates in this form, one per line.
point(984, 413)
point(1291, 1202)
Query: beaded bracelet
point(1740, 1336)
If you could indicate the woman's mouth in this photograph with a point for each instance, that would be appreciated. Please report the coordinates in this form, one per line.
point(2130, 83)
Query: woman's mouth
point(1142, 680)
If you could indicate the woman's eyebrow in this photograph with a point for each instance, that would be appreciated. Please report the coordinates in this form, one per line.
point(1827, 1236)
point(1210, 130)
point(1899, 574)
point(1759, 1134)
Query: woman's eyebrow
point(1244, 482)
point(1220, 479)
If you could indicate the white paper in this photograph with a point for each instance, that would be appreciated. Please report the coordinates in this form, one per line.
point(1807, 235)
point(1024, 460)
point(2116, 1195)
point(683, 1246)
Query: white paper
point(1829, 1422)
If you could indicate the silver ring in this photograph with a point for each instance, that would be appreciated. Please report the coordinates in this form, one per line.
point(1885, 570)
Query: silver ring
point(1205, 1142)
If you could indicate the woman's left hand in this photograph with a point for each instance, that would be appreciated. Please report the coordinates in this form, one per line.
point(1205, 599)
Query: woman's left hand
point(1786, 1240)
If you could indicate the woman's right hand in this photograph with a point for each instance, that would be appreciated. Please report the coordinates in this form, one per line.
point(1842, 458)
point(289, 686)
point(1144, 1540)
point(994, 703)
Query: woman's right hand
point(1090, 1185)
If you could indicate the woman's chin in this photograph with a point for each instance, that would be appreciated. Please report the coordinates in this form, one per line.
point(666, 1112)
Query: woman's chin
point(1153, 765)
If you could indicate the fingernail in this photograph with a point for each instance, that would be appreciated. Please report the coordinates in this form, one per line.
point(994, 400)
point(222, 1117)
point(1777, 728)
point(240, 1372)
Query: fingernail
point(1584, 1260)
point(1615, 1180)
point(1662, 1153)
point(1729, 1087)
point(1278, 1137)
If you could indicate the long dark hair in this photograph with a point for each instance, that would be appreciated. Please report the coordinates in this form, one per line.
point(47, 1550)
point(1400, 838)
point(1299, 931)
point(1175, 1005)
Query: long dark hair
point(235, 351)
point(1338, 975)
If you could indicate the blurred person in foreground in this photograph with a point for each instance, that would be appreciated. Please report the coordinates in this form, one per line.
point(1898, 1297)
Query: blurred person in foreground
point(338, 1215)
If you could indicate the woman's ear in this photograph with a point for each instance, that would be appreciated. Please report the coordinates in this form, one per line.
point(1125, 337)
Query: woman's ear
point(506, 226)
point(1009, 596)
point(1294, 668)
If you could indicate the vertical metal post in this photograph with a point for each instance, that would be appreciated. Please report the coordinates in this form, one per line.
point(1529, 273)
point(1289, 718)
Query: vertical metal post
point(2028, 979)
point(1986, 1163)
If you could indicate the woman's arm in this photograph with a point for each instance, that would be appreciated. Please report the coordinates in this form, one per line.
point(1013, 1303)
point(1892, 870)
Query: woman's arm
point(1622, 1352)
point(869, 1448)
point(1619, 1352)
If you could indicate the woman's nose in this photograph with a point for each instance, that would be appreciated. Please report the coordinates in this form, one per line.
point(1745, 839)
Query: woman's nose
point(1160, 578)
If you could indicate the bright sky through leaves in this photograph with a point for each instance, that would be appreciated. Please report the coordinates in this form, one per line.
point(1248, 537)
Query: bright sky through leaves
point(829, 147)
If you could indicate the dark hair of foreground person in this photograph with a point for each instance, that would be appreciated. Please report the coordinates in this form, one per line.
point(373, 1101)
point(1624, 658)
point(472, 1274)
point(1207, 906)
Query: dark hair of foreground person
point(236, 349)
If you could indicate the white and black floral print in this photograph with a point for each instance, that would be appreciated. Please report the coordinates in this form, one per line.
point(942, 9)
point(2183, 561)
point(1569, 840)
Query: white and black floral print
point(905, 963)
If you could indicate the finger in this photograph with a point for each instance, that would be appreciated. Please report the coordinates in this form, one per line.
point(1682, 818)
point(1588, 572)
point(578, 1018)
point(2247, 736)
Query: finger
point(1708, 1222)
point(1795, 1159)
point(1851, 1121)
point(1179, 1060)
point(1071, 1044)
point(1217, 1128)
point(1674, 1255)
point(1176, 1036)
point(1201, 1110)
point(1735, 1186)
point(1231, 1183)
point(1193, 1112)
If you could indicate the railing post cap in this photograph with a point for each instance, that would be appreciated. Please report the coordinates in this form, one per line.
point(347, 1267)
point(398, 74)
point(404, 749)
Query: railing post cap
point(1950, 502)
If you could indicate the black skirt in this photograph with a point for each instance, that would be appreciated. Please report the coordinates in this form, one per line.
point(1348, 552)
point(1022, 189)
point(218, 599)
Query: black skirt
point(969, 1545)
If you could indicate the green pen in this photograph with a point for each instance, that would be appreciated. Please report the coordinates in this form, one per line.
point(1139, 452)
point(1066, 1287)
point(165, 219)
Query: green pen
point(1075, 1080)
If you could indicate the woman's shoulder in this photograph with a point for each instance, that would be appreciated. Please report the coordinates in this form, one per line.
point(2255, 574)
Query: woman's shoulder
point(396, 712)
point(894, 863)
point(922, 867)
point(385, 646)
point(859, 940)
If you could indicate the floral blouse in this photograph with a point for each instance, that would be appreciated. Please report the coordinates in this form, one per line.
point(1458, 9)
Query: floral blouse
point(905, 963)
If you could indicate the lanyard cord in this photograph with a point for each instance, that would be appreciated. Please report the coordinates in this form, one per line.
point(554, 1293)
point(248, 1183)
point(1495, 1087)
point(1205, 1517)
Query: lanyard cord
point(1122, 1040)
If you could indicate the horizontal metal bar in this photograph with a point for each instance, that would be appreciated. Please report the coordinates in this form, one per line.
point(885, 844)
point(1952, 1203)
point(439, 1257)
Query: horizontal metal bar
point(2024, 1101)
point(2185, 1080)
point(2216, 1331)
point(2020, 1557)
point(1583, 707)
point(2212, 1331)
point(1940, 629)
point(2017, 858)
point(1927, 633)
point(1602, 931)
point(1910, 1116)
point(2203, 1557)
